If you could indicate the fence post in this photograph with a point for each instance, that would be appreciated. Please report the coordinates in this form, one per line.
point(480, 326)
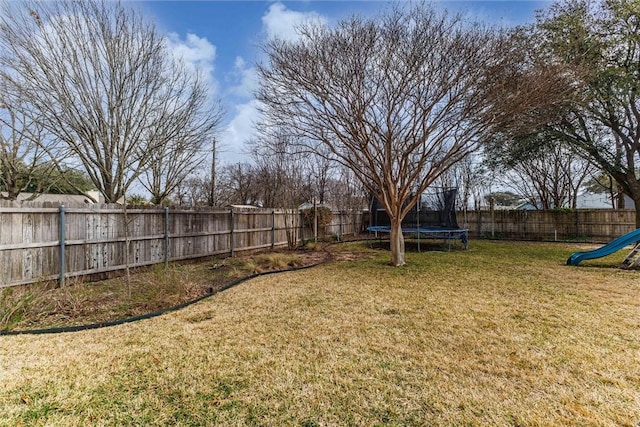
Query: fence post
point(62, 223)
point(340, 225)
point(492, 211)
point(315, 220)
point(273, 229)
point(166, 236)
point(231, 233)
point(301, 220)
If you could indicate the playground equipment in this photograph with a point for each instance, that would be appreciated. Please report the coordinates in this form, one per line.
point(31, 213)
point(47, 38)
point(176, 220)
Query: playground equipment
point(433, 217)
point(631, 261)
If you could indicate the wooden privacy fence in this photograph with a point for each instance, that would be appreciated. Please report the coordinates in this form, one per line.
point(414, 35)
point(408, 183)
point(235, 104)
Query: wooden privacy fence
point(596, 225)
point(47, 241)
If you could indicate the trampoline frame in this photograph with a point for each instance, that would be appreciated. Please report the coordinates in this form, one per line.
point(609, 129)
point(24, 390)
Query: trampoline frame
point(437, 233)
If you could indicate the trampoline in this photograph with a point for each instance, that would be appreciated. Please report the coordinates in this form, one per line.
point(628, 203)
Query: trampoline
point(433, 217)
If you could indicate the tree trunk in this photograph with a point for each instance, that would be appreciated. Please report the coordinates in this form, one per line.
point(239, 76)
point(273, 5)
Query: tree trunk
point(634, 193)
point(620, 197)
point(397, 243)
point(157, 200)
point(636, 201)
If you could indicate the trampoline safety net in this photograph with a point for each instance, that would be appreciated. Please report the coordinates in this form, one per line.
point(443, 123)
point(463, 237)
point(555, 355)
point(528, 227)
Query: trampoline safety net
point(436, 209)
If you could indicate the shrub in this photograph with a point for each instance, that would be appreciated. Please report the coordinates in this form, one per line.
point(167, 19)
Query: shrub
point(324, 217)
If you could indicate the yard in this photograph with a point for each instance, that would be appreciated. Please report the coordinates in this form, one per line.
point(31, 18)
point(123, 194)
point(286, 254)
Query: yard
point(501, 334)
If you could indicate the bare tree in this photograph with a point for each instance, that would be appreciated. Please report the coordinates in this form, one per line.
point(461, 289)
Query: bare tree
point(237, 182)
point(191, 191)
point(284, 176)
point(100, 79)
point(280, 163)
point(268, 179)
point(22, 156)
point(179, 148)
point(321, 167)
point(549, 179)
point(397, 99)
point(542, 168)
point(345, 192)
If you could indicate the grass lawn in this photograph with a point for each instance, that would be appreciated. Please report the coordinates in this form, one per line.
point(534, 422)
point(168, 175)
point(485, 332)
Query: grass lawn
point(501, 334)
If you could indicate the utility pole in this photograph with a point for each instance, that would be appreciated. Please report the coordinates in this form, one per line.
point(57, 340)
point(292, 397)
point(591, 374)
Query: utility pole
point(212, 196)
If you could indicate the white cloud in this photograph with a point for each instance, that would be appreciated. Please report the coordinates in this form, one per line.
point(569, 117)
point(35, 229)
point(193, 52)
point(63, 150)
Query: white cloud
point(239, 130)
point(280, 22)
point(239, 63)
point(245, 79)
point(198, 53)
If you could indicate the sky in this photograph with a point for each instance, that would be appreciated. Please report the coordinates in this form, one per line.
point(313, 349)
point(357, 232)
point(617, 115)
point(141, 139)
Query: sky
point(223, 38)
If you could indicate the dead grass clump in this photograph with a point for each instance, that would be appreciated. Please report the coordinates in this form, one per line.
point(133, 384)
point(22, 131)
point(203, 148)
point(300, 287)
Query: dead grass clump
point(29, 304)
point(272, 261)
point(16, 303)
point(278, 261)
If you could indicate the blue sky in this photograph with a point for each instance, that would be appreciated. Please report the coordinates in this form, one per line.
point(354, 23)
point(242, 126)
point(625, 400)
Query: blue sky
point(223, 38)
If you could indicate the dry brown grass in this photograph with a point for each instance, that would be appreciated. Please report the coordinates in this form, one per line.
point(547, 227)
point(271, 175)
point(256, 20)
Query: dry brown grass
point(44, 305)
point(502, 334)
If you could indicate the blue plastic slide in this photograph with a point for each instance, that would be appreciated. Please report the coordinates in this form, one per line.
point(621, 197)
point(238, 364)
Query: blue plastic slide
point(611, 247)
